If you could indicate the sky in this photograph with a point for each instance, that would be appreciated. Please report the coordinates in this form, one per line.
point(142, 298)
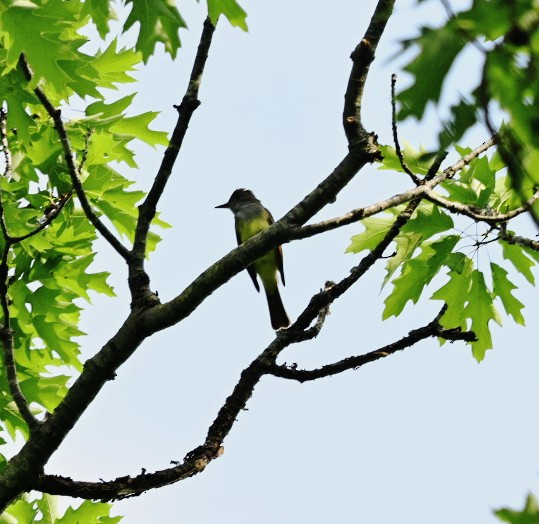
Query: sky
point(428, 435)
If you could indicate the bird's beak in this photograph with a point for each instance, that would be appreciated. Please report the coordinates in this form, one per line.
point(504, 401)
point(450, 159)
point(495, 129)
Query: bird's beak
point(225, 206)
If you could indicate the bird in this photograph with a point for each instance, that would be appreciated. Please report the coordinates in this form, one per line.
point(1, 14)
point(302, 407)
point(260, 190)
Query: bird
point(251, 217)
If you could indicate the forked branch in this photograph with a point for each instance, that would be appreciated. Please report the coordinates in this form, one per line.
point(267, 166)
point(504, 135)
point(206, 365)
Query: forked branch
point(69, 157)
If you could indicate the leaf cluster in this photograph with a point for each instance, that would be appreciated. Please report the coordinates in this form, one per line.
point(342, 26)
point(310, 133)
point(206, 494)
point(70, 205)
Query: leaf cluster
point(433, 243)
point(506, 36)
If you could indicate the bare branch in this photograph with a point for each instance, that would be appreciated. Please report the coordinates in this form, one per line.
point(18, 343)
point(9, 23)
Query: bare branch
point(362, 57)
point(148, 208)
point(404, 165)
point(6, 337)
point(519, 241)
point(482, 215)
point(433, 329)
point(70, 162)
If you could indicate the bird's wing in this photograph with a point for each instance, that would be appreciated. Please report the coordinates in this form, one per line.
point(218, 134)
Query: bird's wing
point(250, 269)
point(278, 252)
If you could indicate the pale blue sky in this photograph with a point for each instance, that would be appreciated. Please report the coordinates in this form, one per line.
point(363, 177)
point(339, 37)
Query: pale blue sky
point(425, 436)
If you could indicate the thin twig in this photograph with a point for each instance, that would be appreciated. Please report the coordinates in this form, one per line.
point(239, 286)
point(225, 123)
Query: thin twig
point(480, 215)
point(4, 142)
point(53, 211)
point(7, 170)
point(6, 337)
point(55, 114)
point(398, 150)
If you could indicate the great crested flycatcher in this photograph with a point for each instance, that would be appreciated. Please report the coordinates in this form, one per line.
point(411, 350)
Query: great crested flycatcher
point(251, 217)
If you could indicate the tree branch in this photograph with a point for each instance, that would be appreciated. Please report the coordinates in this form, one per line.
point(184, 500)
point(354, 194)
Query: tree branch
point(23, 469)
point(55, 114)
point(489, 216)
point(404, 165)
point(519, 241)
point(6, 337)
point(433, 329)
point(197, 460)
point(142, 324)
point(4, 142)
point(428, 183)
point(138, 279)
point(362, 57)
point(53, 211)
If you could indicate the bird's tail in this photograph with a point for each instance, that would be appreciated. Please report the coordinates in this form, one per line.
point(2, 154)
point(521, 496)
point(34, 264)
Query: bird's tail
point(279, 318)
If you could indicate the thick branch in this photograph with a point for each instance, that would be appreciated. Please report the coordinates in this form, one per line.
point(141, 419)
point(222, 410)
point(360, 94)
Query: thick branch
point(199, 458)
point(23, 469)
point(362, 57)
point(165, 315)
point(55, 114)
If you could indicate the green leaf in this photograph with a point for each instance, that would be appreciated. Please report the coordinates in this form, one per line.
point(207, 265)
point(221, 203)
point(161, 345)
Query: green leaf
point(138, 127)
point(503, 288)
point(418, 273)
point(491, 18)
point(406, 246)
point(375, 230)
point(160, 21)
point(463, 116)
point(231, 9)
point(418, 161)
point(57, 336)
point(455, 294)
point(427, 221)
point(46, 391)
point(438, 49)
point(48, 505)
point(101, 14)
point(89, 512)
point(17, 98)
point(437, 254)
point(516, 255)
point(480, 310)
point(49, 41)
point(113, 66)
point(408, 286)
point(529, 515)
point(21, 511)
